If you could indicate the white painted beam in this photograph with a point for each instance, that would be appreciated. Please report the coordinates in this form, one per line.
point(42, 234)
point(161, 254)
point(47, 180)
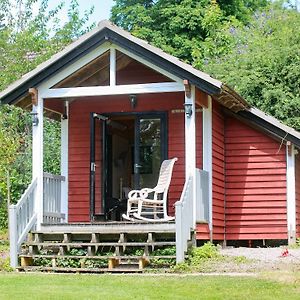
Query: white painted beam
point(207, 156)
point(291, 193)
point(64, 162)
point(190, 147)
point(37, 159)
point(76, 92)
point(112, 67)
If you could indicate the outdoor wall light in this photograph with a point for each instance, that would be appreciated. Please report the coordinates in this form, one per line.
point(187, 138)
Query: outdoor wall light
point(188, 108)
point(34, 117)
point(133, 100)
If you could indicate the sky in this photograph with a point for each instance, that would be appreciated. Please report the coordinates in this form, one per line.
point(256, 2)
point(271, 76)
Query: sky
point(102, 8)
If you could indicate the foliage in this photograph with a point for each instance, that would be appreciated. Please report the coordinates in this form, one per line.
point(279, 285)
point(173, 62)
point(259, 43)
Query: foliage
point(207, 251)
point(264, 64)
point(26, 40)
point(188, 29)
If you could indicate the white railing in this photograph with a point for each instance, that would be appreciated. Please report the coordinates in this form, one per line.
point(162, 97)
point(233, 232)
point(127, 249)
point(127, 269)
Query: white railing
point(52, 199)
point(22, 218)
point(184, 219)
point(202, 196)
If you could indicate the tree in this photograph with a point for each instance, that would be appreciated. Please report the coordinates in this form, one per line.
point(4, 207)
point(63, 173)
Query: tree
point(264, 63)
point(184, 28)
point(26, 40)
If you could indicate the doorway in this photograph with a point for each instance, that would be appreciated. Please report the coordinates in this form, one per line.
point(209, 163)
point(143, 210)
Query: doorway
point(126, 153)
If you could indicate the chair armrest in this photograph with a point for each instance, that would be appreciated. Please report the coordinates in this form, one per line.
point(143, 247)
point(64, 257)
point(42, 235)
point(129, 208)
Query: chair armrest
point(140, 194)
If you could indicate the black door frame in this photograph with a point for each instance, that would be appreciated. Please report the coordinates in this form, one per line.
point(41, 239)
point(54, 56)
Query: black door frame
point(105, 163)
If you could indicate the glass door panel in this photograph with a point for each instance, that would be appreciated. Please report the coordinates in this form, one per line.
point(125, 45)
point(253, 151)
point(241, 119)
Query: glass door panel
point(149, 152)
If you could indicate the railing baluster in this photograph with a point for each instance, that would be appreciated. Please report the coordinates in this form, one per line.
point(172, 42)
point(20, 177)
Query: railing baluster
point(52, 198)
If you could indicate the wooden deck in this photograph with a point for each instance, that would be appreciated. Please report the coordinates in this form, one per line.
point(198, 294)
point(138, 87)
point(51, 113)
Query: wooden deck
point(111, 227)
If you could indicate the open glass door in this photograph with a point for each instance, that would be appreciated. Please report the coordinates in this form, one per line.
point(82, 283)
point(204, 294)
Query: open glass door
point(150, 150)
point(126, 153)
point(98, 163)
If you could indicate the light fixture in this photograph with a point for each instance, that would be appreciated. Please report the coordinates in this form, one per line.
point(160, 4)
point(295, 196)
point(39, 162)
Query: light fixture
point(188, 109)
point(133, 100)
point(34, 116)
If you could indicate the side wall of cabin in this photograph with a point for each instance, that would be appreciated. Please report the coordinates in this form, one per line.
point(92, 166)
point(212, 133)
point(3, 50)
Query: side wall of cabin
point(255, 184)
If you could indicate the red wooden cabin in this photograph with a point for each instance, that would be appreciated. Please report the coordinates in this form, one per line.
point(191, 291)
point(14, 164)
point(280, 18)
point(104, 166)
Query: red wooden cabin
point(124, 107)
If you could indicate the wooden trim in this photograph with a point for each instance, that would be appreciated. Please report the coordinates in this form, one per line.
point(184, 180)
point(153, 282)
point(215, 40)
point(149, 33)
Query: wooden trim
point(34, 96)
point(291, 193)
point(162, 87)
point(207, 155)
point(201, 98)
point(64, 162)
point(112, 67)
point(187, 87)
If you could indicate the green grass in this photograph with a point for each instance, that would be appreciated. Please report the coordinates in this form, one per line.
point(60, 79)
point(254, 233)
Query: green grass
point(46, 286)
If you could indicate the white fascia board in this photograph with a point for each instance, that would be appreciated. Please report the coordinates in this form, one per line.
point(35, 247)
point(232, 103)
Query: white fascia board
point(69, 70)
point(149, 88)
point(150, 65)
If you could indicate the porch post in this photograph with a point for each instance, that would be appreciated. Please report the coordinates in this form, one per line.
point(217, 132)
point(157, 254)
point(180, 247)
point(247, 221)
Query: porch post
point(37, 156)
point(112, 68)
point(207, 156)
point(291, 192)
point(190, 142)
point(64, 160)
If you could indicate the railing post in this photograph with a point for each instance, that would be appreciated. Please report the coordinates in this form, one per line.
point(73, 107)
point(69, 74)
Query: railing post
point(13, 236)
point(179, 233)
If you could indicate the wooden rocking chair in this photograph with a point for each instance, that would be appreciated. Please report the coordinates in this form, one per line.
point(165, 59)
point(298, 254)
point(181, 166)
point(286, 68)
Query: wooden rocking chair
point(151, 204)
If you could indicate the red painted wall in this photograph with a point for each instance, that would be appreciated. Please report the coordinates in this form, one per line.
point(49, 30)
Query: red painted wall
point(218, 148)
point(79, 144)
point(255, 184)
point(297, 195)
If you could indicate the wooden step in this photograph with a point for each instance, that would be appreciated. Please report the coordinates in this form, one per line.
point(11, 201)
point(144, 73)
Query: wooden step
point(113, 244)
point(131, 257)
point(78, 270)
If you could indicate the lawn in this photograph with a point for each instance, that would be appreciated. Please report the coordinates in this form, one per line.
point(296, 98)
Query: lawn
point(50, 286)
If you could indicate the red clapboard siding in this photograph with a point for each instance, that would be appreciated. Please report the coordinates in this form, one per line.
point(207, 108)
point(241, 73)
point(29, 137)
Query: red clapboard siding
point(218, 192)
point(297, 176)
point(79, 145)
point(202, 231)
point(255, 184)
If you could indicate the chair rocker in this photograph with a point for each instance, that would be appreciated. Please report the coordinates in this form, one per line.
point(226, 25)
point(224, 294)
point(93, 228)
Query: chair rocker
point(151, 204)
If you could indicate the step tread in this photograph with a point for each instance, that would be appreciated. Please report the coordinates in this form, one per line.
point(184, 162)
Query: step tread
point(98, 257)
point(80, 270)
point(86, 244)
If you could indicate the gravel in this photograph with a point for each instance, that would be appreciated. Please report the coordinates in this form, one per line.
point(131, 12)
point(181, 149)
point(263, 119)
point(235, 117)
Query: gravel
point(262, 259)
point(265, 254)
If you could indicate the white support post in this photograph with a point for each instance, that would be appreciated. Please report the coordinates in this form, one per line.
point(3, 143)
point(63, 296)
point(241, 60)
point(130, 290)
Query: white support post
point(291, 193)
point(64, 161)
point(207, 157)
point(37, 159)
point(190, 143)
point(112, 69)
point(13, 237)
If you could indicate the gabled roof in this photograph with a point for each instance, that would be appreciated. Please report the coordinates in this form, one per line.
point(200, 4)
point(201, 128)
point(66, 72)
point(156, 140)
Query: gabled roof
point(108, 32)
point(271, 125)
